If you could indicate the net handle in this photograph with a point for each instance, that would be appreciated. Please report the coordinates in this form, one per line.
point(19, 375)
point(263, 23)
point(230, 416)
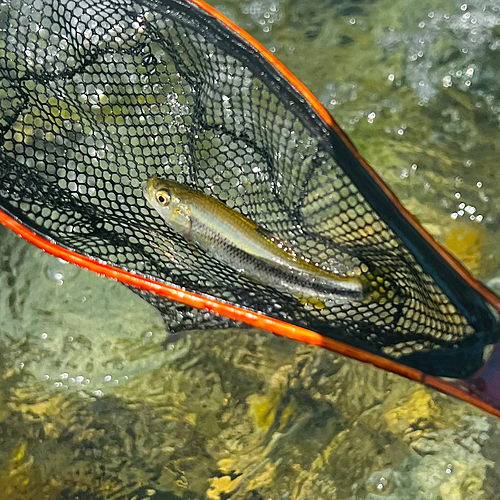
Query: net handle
point(478, 390)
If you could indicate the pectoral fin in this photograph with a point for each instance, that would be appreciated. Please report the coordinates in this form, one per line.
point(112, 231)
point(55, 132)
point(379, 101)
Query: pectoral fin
point(311, 302)
point(267, 234)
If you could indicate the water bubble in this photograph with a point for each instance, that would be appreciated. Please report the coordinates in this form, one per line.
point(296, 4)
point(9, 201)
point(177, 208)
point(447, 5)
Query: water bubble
point(447, 81)
point(381, 483)
point(59, 270)
point(107, 378)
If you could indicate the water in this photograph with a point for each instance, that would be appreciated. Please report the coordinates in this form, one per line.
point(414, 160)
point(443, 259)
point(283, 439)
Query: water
point(96, 404)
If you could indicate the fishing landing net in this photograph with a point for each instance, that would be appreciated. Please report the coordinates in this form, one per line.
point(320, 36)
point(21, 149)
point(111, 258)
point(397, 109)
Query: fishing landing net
point(98, 96)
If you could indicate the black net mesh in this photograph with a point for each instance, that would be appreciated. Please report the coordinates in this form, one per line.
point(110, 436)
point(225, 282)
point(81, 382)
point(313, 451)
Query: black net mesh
point(97, 96)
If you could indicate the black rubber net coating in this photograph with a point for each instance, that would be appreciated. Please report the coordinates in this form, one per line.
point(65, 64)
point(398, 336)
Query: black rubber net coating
point(97, 96)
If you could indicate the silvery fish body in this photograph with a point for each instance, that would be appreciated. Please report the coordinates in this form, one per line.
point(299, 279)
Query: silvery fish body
point(242, 245)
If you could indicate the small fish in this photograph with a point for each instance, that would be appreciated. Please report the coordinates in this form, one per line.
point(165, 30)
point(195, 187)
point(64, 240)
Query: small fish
point(247, 248)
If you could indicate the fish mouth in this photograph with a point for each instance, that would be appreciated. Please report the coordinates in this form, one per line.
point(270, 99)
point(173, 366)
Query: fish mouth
point(149, 188)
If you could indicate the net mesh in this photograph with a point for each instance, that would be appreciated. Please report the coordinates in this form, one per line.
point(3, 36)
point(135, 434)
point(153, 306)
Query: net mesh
point(97, 96)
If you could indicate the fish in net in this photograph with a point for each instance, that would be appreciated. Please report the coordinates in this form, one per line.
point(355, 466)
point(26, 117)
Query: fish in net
point(98, 96)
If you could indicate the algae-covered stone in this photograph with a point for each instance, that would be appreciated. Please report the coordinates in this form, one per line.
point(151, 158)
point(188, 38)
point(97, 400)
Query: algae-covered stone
point(420, 407)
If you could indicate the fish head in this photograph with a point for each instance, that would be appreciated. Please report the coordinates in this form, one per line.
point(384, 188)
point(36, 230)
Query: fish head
point(170, 200)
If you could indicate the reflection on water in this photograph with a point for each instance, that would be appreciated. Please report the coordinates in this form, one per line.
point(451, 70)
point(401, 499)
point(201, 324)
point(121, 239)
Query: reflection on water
point(95, 404)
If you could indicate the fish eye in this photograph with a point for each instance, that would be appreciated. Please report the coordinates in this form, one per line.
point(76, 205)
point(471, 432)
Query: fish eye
point(163, 198)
